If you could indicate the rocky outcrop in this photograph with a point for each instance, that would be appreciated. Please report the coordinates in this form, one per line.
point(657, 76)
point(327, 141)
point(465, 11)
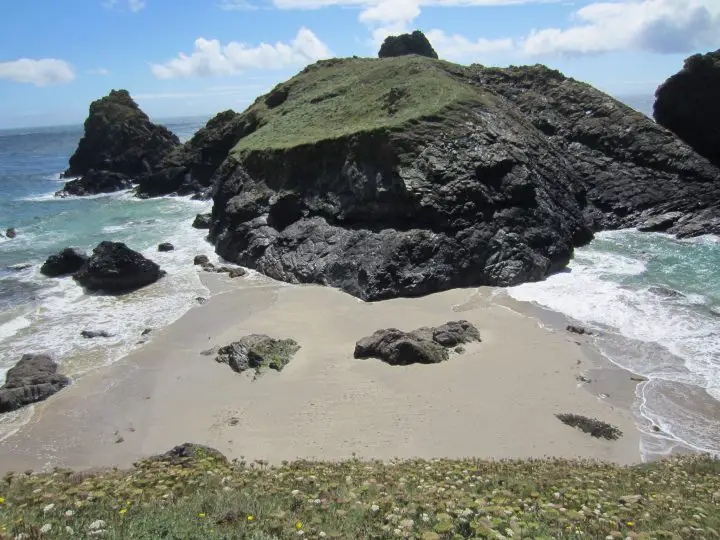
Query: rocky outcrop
point(688, 104)
point(34, 378)
point(11, 233)
point(92, 334)
point(187, 452)
point(202, 221)
point(477, 176)
point(422, 346)
point(119, 145)
point(190, 168)
point(404, 44)
point(115, 268)
point(165, 246)
point(257, 352)
point(68, 261)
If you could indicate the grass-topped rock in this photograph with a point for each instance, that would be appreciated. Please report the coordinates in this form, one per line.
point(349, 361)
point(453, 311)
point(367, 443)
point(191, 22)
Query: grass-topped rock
point(200, 495)
point(404, 44)
point(408, 175)
point(422, 346)
point(592, 426)
point(257, 352)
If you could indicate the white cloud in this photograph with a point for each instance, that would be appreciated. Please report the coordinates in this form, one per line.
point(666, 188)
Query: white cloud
point(246, 92)
point(459, 48)
point(210, 58)
point(237, 5)
point(38, 72)
point(99, 71)
point(132, 5)
point(659, 26)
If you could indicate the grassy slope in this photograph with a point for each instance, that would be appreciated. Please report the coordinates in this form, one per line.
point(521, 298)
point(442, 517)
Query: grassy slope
point(335, 98)
point(431, 500)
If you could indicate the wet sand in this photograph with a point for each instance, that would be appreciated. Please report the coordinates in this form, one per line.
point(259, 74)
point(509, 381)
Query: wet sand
point(496, 400)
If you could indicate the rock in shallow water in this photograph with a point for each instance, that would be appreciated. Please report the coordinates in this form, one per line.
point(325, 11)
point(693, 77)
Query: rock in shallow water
point(115, 268)
point(165, 246)
point(34, 378)
point(202, 221)
point(68, 261)
point(422, 346)
point(257, 352)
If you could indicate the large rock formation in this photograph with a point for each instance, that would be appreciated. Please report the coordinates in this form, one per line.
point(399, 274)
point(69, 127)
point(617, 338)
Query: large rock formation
point(406, 176)
point(404, 44)
point(115, 268)
point(257, 352)
point(120, 144)
point(189, 169)
point(34, 378)
point(688, 104)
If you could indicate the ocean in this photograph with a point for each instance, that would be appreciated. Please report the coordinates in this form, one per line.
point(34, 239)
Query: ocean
point(40, 314)
point(653, 301)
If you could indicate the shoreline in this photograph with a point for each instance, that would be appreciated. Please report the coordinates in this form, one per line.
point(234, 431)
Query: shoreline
point(494, 401)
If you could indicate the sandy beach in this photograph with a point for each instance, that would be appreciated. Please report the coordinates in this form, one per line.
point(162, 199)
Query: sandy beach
point(496, 400)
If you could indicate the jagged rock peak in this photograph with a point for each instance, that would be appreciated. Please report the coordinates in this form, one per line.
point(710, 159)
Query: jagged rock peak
point(404, 44)
point(120, 138)
point(688, 104)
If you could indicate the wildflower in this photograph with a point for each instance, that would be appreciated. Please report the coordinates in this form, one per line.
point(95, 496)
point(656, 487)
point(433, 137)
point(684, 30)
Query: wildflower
point(96, 525)
point(123, 511)
point(2, 500)
point(69, 513)
point(45, 528)
point(251, 519)
point(294, 492)
point(298, 525)
point(201, 515)
point(300, 533)
point(69, 530)
point(630, 524)
point(425, 518)
point(48, 508)
point(374, 508)
point(322, 534)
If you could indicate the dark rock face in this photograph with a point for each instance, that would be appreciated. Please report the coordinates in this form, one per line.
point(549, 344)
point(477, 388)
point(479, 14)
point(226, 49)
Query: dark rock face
point(92, 334)
point(94, 182)
point(201, 260)
point(237, 272)
point(119, 145)
point(68, 261)
point(166, 246)
point(404, 44)
point(115, 268)
point(11, 233)
point(34, 378)
point(190, 168)
point(421, 346)
point(258, 352)
point(187, 452)
point(492, 193)
point(688, 105)
point(202, 221)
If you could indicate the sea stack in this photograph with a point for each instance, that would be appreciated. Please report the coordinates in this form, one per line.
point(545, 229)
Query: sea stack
point(120, 144)
point(688, 104)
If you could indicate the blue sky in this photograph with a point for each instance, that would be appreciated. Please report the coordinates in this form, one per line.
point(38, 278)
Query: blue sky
point(196, 57)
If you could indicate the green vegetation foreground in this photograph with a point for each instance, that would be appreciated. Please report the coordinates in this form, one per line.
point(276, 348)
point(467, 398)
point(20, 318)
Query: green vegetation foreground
point(205, 496)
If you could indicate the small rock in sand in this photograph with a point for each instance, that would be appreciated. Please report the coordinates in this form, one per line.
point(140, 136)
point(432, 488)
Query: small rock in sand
point(578, 330)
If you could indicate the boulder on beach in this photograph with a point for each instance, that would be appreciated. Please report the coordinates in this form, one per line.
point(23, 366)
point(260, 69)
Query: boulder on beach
point(67, 261)
point(257, 352)
point(115, 268)
point(688, 104)
point(165, 246)
point(404, 44)
point(188, 451)
point(423, 176)
point(422, 346)
point(34, 378)
point(119, 145)
point(201, 260)
point(202, 221)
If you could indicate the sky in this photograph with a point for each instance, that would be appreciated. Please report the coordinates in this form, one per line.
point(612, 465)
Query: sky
point(199, 57)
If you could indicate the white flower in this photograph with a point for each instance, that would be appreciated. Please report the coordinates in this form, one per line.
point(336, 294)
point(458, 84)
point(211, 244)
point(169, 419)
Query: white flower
point(97, 525)
point(509, 532)
point(294, 492)
point(397, 532)
point(425, 518)
point(48, 508)
point(96, 533)
point(374, 508)
point(69, 531)
point(322, 534)
point(69, 513)
point(300, 533)
point(22, 536)
point(317, 501)
point(46, 528)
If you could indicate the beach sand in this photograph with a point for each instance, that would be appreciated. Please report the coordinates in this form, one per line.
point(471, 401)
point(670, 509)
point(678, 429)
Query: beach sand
point(496, 400)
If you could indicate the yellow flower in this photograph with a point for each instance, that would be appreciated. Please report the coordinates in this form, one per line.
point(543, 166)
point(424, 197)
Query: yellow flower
point(2, 500)
point(201, 514)
point(250, 519)
point(123, 511)
point(630, 523)
point(298, 525)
